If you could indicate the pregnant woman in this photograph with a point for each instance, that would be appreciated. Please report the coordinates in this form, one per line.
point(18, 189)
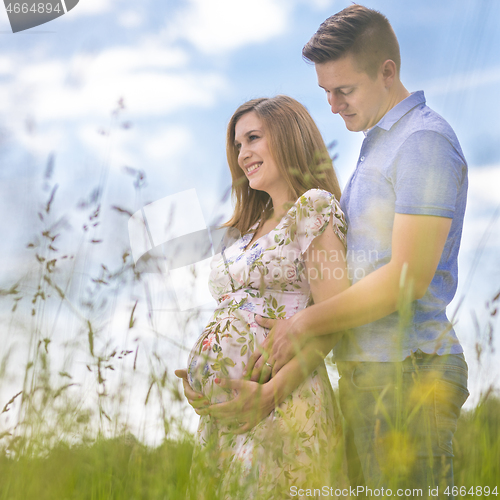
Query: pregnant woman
point(290, 254)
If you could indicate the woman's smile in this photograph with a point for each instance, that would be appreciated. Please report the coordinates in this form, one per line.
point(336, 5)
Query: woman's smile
point(252, 167)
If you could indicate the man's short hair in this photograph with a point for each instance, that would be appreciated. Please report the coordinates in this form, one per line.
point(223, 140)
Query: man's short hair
point(364, 33)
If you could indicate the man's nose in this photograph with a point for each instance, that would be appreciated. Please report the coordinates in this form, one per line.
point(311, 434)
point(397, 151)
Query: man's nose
point(337, 103)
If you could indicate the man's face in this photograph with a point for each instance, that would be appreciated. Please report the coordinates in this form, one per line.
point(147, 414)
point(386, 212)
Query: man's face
point(357, 97)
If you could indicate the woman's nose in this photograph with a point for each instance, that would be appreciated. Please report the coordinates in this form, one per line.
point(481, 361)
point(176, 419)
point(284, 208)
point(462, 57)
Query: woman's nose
point(243, 153)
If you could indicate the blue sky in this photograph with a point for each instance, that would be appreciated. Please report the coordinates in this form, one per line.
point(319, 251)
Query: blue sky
point(182, 68)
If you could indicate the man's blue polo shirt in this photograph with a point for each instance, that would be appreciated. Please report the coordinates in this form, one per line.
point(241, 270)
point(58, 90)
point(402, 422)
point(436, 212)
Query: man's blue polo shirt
point(410, 163)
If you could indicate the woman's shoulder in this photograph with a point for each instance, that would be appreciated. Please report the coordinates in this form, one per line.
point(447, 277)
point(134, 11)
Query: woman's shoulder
point(314, 209)
point(319, 201)
point(315, 194)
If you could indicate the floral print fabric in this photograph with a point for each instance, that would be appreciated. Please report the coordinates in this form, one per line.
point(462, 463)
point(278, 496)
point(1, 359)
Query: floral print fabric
point(268, 279)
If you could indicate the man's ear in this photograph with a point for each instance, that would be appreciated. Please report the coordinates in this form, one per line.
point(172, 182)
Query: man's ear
point(389, 72)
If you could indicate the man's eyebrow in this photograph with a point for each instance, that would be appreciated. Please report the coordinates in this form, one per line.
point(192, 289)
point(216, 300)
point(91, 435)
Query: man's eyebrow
point(347, 86)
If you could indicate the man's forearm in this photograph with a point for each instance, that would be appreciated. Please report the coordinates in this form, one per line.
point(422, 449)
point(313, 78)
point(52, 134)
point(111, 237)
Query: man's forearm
point(370, 299)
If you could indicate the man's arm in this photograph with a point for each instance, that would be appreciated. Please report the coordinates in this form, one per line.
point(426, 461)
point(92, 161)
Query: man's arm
point(417, 245)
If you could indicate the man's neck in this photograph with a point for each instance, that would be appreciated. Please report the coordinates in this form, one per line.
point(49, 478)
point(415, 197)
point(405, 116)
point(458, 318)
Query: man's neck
point(398, 94)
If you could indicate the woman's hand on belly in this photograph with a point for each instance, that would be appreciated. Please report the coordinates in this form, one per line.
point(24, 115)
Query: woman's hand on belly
point(196, 399)
point(252, 403)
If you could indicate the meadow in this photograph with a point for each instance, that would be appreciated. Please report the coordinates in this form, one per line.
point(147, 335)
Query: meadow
point(66, 428)
point(122, 468)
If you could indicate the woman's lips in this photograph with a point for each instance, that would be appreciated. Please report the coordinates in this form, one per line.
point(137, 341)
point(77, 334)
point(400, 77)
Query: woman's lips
point(253, 167)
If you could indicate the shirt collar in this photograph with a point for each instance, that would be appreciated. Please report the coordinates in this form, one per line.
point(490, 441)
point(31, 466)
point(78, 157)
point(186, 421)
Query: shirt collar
point(398, 111)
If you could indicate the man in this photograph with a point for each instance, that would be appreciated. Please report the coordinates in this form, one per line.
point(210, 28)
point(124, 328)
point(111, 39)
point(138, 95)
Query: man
point(403, 374)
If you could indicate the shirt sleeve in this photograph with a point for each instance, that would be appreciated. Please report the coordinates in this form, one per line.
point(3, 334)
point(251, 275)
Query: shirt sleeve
point(314, 210)
point(427, 175)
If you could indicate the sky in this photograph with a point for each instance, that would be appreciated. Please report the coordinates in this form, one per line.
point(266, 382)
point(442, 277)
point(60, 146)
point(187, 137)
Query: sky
point(120, 88)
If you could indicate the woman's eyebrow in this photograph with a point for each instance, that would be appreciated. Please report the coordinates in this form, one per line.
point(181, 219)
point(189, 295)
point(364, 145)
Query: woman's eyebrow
point(246, 134)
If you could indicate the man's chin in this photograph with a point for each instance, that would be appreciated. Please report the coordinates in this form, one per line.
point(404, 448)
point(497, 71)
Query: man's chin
point(352, 127)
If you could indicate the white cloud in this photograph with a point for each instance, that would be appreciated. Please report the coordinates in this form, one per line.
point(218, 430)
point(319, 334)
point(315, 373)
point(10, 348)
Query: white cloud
point(4, 20)
point(42, 74)
point(100, 144)
point(138, 147)
point(166, 143)
point(483, 186)
point(45, 140)
point(92, 7)
point(148, 93)
point(320, 4)
point(463, 81)
point(5, 66)
point(224, 25)
point(482, 201)
point(153, 80)
point(130, 19)
point(146, 55)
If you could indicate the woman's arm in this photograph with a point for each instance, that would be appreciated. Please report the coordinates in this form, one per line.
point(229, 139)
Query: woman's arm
point(253, 401)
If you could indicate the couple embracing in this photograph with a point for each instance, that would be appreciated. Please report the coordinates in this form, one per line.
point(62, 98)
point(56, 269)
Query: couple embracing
point(269, 425)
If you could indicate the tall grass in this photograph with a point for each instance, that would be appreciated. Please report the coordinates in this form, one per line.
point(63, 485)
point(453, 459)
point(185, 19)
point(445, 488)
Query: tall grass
point(116, 468)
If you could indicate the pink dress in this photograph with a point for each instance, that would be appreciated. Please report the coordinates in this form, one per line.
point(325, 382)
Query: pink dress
point(294, 442)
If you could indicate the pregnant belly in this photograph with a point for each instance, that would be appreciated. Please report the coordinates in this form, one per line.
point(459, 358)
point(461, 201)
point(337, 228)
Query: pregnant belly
point(222, 351)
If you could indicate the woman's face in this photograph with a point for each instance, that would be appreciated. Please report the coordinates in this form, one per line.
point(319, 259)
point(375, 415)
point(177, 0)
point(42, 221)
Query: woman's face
point(254, 156)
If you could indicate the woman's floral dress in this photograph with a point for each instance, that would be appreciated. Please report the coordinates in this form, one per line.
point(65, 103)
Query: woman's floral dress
point(291, 446)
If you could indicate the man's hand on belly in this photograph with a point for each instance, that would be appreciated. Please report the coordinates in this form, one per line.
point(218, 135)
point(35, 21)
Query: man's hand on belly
point(275, 352)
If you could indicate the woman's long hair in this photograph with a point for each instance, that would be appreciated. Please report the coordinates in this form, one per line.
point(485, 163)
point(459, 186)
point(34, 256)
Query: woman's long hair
point(297, 148)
